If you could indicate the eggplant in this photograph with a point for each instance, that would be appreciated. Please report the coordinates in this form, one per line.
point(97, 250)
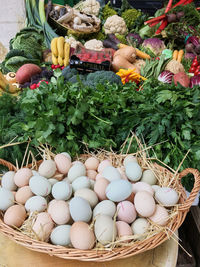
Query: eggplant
point(107, 43)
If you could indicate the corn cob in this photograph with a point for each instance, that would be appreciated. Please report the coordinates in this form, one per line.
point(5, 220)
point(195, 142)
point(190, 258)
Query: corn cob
point(60, 46)
point(54, 48)
point(66, 54)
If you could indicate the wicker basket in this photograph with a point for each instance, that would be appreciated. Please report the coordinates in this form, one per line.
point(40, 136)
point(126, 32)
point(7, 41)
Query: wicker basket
point(116, 253)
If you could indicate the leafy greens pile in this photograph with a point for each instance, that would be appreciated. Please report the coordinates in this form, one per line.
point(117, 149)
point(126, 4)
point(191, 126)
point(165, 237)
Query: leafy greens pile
point(68, 116)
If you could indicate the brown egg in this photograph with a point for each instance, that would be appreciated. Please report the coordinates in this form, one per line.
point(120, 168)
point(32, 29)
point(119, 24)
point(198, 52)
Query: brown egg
point(23, 194)
point(15, 215)
point(43, 226)
point(92, 163)
point(91, 174)
point(123, 229)
point(82, 236)
point(59, 212)
point(22, 177)
point(160, 216)
point(99, 175)
point(63, 163)
point(100, 188)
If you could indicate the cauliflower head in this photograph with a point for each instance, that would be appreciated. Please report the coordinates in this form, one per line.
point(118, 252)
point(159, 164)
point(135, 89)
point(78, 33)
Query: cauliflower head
point(91, 7)
point(115, 24)
point(72, 41)
point(94, 44)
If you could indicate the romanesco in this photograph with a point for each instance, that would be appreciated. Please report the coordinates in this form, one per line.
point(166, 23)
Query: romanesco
point(130, 15)
point(108, 11)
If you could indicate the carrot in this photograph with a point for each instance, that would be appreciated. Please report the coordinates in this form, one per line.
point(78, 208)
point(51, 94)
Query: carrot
point(180, 55)
point(121, 45)
point(142, 54)
point(175, 54)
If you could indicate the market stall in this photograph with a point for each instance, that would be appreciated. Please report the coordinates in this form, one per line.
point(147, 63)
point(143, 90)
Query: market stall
point(99, 124)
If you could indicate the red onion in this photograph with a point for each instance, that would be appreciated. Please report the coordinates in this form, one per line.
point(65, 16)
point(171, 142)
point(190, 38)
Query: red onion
point(166, 76)
point(195, 80)
point(194, 40)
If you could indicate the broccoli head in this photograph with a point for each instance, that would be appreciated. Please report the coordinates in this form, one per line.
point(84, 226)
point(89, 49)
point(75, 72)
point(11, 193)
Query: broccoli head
point(130, 16)
point(101, 77)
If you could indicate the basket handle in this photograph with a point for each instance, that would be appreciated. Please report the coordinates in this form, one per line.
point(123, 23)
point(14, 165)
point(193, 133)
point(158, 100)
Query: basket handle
point(195, 190)
point(9, 165)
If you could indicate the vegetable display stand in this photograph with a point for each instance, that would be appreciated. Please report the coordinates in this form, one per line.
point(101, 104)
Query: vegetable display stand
point(127, 250)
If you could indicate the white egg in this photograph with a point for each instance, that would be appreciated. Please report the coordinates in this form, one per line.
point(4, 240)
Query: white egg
point(81, 182)
point(60, 235)
point(76, 171)
point(129, 158)
point(103, 164)
point(111, 173)
point(47, 168)
point(155, 187)
point(88, 195)
point(80, 209)
point(106, 207)
point(140, 226)
point(167, 196)
point(40, 186)
point(36, 203)
point(52, 181)
point(8, 181)
point(133, 171)
point(105, 229)
point(35, 173)
point(149, 177)
point(6, 199)
point(118, 190)
point(62, 190)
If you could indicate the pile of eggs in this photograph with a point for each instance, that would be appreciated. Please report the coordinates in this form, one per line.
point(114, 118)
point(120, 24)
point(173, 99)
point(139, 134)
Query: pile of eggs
point(78, 204)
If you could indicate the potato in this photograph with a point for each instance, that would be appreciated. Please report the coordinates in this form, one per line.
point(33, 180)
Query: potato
point(26, 71)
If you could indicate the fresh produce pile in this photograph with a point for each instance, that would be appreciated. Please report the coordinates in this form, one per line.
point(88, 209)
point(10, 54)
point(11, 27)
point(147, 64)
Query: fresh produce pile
point(95, 199)
point(98, 73)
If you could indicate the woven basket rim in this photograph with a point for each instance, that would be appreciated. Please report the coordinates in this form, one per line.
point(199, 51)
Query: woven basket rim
point(112, 254)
